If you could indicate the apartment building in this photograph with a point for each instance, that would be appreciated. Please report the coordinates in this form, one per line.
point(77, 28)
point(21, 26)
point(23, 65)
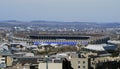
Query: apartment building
point(5, 59)
point(79, 63)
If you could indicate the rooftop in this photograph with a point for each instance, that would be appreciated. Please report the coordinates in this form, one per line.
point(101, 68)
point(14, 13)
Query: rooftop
point(5, 53)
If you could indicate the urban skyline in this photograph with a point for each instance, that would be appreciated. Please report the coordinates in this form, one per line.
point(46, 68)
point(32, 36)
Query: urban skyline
point(59, 34)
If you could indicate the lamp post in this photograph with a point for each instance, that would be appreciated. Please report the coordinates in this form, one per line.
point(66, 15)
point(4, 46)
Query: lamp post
point(46, 49)
point(46, 62)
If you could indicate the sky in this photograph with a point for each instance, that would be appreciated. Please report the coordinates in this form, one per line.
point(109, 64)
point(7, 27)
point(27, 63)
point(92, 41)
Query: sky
point(61, 10)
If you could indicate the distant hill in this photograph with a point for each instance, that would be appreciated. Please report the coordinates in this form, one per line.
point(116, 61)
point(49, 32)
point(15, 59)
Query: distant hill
point(43, 22)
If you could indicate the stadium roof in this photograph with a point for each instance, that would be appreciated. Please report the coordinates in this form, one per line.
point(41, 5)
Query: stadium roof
point(100, 47)
point(59, 43)
point(114, 41)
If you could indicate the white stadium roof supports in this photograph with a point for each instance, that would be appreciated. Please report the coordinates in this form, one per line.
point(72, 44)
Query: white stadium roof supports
point(100, 47)
point(114, 41)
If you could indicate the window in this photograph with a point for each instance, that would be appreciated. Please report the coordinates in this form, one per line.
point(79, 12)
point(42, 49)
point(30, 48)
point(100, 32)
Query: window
point(3, 56)
point(83, 66)
point(2, 59)
point(78, 66)
point(2, 62)
point(83, 62)
point(78, 62)
point(92, 62)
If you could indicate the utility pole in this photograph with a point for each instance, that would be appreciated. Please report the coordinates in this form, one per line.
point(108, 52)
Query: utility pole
point(46, 49)
point(46, 62)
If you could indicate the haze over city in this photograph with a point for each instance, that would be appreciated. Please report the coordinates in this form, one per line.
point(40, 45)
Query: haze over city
point(61, 10)
point(59, 34)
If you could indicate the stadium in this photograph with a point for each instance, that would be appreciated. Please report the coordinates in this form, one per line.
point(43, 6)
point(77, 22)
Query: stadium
point(59, 38)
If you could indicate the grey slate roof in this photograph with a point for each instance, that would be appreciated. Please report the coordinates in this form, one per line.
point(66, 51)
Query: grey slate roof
point(5, 53)
point(2, 65)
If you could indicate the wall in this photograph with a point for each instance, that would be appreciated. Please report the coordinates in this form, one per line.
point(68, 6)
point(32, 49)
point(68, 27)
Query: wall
point(50, 66)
